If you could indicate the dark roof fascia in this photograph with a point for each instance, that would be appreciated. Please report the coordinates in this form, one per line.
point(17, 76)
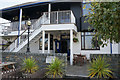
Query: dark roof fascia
point(23, 6)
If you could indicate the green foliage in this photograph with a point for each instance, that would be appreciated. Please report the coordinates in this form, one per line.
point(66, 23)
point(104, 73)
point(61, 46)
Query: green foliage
point(105, 19)
point(29, 65)
point(75, 40)
point(99, 68)
point(55, 69)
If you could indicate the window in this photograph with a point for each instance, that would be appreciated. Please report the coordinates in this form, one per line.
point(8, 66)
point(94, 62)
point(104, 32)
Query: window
point(46, 42)
point(88, 41)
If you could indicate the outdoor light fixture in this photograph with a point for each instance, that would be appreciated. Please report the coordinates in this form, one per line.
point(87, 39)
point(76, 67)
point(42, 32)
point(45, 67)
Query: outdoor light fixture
point(28, 24)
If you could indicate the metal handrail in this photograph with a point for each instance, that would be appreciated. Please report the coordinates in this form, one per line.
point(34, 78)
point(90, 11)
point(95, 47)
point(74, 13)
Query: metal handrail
point(15, 21)
point(60, 17)
point(58, 11)
point(13, 26)
point(21, 34)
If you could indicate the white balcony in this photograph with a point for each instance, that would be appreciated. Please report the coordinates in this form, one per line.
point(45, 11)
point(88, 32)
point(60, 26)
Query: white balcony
point(12, 27)
point(59, 17)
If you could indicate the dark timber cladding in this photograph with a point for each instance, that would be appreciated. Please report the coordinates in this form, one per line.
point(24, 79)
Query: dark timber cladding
point(77, 10)
point(30, 11)
point(36, 10)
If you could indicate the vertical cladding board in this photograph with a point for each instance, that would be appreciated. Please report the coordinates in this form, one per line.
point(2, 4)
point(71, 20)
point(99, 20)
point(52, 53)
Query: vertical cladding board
point(77, 11)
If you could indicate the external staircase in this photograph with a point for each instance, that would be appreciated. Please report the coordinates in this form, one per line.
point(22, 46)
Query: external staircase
point(20, 43)
point(55, 18)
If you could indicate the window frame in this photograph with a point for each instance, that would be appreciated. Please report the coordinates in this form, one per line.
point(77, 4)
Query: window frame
point(84, 42)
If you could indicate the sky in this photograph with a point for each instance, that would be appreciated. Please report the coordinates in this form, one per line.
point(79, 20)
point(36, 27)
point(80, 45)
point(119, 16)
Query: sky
point(8, 3)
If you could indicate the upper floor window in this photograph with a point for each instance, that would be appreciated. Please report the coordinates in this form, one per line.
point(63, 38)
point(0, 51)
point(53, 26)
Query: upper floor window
point(86, 7)
point(88, 41)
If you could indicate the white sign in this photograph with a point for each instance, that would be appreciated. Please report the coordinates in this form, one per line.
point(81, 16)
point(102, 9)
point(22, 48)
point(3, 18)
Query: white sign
point(49, 59)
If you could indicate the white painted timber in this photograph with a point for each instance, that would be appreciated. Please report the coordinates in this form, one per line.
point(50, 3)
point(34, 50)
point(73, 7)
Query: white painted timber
point(103, 50)
point(71, 47)
point(20, 20)
point(43, 41)
point(35, 33)
point(48, 42)
point(52, 27)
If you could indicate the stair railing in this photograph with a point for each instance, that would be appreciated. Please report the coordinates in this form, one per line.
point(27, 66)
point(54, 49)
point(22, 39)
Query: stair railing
point(23, 36)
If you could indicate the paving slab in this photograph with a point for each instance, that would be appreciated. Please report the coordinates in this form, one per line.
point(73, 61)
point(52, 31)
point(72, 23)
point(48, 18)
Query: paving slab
point(77, 70)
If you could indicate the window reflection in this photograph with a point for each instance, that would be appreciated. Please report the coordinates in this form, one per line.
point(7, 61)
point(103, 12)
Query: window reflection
point(88, 41)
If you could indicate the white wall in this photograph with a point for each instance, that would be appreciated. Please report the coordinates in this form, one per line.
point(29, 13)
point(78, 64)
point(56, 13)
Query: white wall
point(105, 50)
point(119, 48)
point(34, 48)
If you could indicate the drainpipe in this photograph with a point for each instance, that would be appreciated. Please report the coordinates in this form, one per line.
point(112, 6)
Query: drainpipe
point(110, 47)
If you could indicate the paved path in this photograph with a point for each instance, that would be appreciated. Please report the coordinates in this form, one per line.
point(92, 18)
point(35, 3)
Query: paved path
point(76, 70)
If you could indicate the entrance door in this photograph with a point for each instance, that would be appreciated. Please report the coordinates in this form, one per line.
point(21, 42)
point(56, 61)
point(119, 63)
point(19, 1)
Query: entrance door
point(64, 46)
point(57, 46)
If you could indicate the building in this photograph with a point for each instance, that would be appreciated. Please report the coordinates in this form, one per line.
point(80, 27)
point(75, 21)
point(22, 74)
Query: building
point(54, 28)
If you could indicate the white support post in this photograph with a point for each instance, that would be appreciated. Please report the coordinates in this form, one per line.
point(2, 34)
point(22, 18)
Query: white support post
point(71, 47)
point(20, 20)
point(49, 10)
point(43, 42)
point(15, 43)
point(48, 42)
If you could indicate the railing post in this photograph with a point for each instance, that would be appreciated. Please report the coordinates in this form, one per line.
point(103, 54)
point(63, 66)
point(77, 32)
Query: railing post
point(15, 43)
point(57, 17)
point(49, 10)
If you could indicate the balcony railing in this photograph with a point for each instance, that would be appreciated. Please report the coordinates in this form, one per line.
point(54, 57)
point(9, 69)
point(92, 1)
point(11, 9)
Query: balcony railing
point(13, 26)
point(60, 17)
point(54, 17)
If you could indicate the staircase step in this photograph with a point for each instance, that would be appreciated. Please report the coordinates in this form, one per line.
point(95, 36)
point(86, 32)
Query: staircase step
point(34, 39)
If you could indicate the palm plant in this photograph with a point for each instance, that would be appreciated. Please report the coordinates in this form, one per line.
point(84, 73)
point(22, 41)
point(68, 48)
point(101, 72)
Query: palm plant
point(55, 69)
point(29, 65)
point(100, 68)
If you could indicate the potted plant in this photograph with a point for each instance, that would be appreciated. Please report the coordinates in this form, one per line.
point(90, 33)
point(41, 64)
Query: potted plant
point(75, 39)
point(55, 69)
point(29, 66)
point(99, 68)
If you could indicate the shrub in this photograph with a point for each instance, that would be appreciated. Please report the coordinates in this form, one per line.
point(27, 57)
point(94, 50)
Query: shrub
point(100, 68)
point(55, 69)
point(29, 65)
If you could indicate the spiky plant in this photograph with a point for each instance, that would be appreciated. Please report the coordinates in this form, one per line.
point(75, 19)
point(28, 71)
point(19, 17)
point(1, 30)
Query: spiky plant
point(55, 69)
point(100, 68)
point(29, 65)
